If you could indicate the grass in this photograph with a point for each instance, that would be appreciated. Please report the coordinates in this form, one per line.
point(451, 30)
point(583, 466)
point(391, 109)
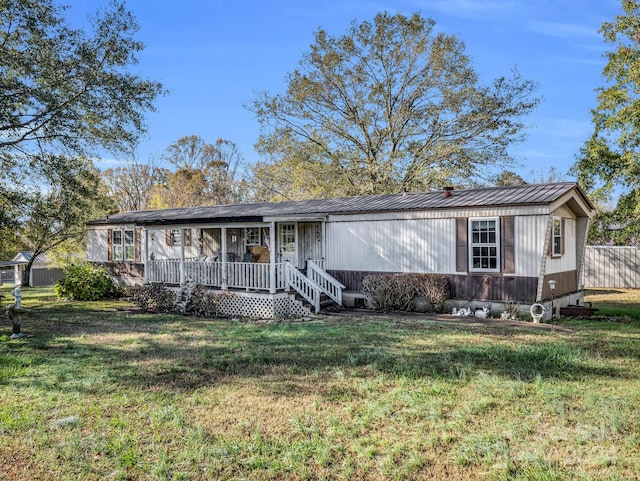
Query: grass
point(100, 392)
point(615, 302)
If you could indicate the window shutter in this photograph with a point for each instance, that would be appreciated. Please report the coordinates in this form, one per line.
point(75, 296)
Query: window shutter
point(110, 245)
point(187, 237)
point(462, 251)
point(550, 240)
point(167, 236)
point(138, 233)
point(562, 236)
point(508, 245)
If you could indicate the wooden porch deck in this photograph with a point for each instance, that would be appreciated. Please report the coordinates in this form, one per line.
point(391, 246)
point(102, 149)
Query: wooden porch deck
point(250, 276)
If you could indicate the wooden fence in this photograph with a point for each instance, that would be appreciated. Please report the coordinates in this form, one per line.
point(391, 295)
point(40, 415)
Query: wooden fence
point(607, 266)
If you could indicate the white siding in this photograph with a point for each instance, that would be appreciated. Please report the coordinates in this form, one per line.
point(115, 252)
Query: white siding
point(160, 250)
point(530, 232)
point(97, 245)
point(423, 245)
point(567, 262)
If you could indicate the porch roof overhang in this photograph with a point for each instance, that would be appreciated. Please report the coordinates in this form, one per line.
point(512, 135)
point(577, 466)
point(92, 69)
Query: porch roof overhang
point(296, 218)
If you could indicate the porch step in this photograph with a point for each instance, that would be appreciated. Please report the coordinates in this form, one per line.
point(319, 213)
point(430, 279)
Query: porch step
point(326, 303)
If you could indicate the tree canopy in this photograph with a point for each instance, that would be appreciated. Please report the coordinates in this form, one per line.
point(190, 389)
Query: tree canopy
point(67, 89)
point(205, 174)
point(390, 106)
point(610, 158)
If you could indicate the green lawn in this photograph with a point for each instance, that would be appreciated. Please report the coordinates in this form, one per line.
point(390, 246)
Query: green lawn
point(100, 392)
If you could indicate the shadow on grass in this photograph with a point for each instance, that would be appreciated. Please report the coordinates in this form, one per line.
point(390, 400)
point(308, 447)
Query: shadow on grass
point(74, 342)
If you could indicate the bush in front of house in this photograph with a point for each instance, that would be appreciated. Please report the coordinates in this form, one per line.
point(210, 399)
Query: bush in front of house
point(398, 292)
point(85, 283)
point(152, 297)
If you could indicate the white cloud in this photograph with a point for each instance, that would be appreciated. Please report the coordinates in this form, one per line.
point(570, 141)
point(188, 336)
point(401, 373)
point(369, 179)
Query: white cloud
point(475, 9)
point(564, 30)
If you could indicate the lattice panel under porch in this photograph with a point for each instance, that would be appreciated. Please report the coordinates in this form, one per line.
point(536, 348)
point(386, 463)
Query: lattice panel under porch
point(257, 305)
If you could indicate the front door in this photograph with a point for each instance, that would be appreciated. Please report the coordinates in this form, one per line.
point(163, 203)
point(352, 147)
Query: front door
point(287, 243)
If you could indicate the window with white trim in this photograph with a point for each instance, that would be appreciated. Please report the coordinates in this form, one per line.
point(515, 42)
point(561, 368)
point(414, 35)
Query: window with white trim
point(556, 237)
point(252, 236)
point(175, 237)
point(123, 245)
point(484, 244)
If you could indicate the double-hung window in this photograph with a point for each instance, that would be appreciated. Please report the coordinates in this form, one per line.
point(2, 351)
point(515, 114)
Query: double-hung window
point(123, 245)
point(556, 237)
point(484, 245)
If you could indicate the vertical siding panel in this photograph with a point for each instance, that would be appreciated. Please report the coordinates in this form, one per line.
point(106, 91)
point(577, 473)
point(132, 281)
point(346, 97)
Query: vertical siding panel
point(420, 245)
point(608, 266)
point(529, 237)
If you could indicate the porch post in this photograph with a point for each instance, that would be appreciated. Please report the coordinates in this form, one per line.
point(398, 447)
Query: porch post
point(272, 257)
point(223, 260)
point(145, 256)
point(181, 256)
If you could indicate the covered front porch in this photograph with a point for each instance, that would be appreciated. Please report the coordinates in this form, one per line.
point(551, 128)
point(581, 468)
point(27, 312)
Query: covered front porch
point(254, 258)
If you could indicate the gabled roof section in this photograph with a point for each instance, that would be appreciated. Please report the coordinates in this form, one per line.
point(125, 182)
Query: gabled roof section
point(522, 195)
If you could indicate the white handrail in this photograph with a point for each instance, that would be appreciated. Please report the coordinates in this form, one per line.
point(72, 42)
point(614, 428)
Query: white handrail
point(239, 275)
point(329, 285)
point(303, 286)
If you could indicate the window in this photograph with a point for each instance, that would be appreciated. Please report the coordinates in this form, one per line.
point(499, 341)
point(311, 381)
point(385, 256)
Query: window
point(484, 246)
point(252, 236)
point(117, 245)
point(175, 237)
point(556, 237)
point(123, 245)
point(287, 238)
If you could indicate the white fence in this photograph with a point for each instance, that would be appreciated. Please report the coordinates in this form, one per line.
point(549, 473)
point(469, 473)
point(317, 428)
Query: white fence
point(607, 266)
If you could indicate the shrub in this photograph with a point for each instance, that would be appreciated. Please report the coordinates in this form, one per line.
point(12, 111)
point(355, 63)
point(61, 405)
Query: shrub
point(396, 292)
point(205, 303)
point(85, 283)
point(152, 297)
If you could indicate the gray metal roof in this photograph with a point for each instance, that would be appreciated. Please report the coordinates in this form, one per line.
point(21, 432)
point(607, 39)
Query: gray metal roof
point(538, 194)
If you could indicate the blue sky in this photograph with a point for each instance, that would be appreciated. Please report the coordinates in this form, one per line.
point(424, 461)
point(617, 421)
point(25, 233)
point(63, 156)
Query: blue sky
point(213, 56)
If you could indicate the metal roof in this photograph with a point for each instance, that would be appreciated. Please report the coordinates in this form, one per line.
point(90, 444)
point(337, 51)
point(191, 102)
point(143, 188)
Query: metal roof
point(522, 195)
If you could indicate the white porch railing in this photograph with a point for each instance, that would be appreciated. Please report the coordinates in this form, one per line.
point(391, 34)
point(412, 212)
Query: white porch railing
point(329, 285)
point(303, 286)
point(248, 275)
point(238, 275)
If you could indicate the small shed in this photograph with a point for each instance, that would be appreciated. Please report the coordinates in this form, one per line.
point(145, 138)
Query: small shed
point(43, 272)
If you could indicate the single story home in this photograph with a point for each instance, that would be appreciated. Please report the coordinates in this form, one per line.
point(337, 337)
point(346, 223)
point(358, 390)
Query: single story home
point(495, 245)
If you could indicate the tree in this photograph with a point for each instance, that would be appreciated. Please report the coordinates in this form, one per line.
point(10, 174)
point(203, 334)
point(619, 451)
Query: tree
point(132, 184)
point(66, 91)
point(610, 157)
point(508, 178)
point(57, 214)
point(392, 106)
point(205, 173)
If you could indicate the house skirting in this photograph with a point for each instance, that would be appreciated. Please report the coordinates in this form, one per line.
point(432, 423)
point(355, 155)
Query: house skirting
point(481, 287)
point(259, 305)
